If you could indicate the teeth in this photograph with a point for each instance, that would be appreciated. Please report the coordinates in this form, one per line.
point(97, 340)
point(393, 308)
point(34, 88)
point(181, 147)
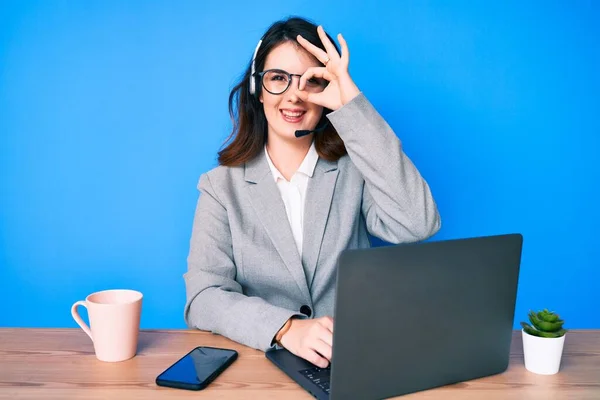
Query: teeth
point(292, 114)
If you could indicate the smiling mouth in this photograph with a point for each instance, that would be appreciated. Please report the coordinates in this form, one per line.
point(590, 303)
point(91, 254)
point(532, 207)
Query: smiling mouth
point(292, 117)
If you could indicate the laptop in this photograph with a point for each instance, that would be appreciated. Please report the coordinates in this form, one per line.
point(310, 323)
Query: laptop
point(412, 317)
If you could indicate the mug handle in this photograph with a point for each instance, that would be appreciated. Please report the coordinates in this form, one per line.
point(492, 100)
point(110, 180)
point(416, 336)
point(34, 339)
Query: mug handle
point(78, 319)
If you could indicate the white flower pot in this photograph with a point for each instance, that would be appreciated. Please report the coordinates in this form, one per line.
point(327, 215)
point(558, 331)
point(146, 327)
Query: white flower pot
point(542, 355)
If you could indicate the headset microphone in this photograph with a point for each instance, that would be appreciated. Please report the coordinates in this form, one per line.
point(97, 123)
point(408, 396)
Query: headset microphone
point(304, 132)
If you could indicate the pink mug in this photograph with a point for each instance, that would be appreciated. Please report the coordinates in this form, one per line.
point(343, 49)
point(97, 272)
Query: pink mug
point(114, 322)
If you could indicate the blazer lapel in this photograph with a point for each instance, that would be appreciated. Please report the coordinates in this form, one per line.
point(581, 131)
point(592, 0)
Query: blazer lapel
point(319, 195)
point(266, 201)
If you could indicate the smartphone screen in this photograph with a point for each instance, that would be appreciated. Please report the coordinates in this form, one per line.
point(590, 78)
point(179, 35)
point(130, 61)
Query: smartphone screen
point(197, 369)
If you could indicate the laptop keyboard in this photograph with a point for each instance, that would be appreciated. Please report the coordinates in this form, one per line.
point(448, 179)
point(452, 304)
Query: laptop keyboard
point(318, 376)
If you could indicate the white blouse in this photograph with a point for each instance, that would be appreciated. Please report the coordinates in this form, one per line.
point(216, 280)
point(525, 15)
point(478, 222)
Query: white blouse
point(293, 192)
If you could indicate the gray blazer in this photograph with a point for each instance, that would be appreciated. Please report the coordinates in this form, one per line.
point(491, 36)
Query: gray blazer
point(245, 278)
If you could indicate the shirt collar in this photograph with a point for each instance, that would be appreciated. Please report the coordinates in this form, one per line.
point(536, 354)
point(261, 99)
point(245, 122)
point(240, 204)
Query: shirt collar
point(307, 167)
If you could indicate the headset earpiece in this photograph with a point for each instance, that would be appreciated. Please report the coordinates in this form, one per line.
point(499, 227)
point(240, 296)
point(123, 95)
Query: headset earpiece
point(253, 79)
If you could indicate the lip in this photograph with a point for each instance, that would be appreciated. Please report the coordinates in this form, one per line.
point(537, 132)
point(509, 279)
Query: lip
point(294, 120)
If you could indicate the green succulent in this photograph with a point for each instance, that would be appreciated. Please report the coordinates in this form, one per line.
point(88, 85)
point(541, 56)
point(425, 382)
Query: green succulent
point(545, 324)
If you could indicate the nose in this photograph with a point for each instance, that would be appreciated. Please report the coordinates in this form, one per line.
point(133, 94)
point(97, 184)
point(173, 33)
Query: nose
point(293, 89)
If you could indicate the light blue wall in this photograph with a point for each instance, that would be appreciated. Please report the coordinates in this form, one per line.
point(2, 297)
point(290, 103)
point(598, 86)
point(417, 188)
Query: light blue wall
point(110, 112)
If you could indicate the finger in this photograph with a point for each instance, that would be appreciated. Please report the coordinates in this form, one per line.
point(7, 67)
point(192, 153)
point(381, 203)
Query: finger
point(331, 50)
point(345, 51)
point(326, 336)
point(327, 322)
point(314, 357)
point(314, 50)
point(323, 349)
point(315, 98)
point(314, 72)
point(306, 96)
point(303, 95)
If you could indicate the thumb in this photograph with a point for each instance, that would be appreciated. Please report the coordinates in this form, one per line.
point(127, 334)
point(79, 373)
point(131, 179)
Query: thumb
point(304, 96)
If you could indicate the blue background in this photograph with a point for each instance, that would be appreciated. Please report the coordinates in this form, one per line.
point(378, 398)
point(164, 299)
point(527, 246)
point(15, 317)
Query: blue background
point(109, 113)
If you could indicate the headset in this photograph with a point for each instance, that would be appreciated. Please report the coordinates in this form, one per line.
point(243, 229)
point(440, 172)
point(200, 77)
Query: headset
point(253, 80)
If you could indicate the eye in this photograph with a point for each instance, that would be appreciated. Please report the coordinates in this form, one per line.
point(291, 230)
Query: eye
point(315, 82)
point(278, 77)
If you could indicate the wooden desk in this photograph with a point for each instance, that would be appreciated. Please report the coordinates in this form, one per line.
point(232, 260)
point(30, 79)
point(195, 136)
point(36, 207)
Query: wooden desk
point(60, 364)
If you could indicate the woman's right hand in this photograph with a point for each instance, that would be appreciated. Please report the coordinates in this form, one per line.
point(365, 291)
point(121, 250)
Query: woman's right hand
point(311, 339)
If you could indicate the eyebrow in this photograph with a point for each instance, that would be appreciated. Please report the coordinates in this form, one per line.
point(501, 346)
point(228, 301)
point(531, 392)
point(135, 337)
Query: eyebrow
point(284, 70)
point(280, 69)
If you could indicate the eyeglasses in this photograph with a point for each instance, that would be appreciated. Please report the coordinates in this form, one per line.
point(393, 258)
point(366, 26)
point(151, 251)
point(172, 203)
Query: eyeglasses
point(277, 81)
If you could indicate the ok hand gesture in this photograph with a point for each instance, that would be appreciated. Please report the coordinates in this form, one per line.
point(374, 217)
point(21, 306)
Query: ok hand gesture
point(341, 89)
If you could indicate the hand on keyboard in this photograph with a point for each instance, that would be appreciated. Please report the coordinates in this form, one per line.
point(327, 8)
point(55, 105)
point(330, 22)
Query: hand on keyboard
point(310, 339)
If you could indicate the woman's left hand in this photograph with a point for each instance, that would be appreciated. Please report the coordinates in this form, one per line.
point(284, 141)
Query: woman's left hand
point(341, 89)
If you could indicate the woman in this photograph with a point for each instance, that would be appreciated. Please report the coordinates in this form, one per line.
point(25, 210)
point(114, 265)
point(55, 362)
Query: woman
point(311, 170)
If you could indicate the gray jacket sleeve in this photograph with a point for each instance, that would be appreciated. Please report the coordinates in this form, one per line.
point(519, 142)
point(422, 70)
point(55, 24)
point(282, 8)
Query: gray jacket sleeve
point(215, 301)
point(397, 202)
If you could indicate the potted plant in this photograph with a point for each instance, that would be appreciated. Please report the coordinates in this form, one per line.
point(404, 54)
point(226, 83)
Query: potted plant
point(543, 342)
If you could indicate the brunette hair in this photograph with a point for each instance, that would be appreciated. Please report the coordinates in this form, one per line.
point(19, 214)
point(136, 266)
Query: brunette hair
point(249, 133)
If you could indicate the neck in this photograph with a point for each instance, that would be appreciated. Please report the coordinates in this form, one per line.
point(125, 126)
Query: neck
point(287, 155)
